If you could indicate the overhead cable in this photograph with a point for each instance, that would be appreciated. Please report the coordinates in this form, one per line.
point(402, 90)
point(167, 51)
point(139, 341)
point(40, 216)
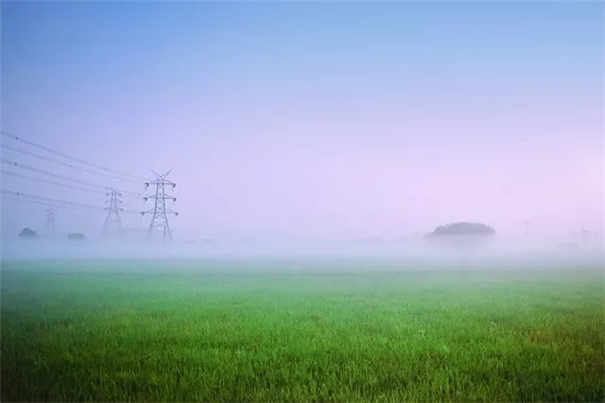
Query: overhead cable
point(81, 161)
point(32, 178)
point(42, 157)
point(66, 178)
point(67, 203)
point(44, 172)
point(56, 202)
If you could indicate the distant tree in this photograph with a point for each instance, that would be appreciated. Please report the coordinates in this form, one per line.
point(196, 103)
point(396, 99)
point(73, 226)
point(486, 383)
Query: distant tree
point(28, 234)
point(461, 235)
point(75, 237)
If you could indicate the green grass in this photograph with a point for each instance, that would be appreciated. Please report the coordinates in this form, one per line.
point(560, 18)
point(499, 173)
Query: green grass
point(215, 332)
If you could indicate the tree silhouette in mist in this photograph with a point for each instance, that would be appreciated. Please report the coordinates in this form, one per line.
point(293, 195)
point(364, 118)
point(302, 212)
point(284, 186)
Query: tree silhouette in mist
point(462, 235)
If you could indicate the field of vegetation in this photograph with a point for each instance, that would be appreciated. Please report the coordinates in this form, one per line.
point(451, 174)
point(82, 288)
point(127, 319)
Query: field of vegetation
point(279, 331)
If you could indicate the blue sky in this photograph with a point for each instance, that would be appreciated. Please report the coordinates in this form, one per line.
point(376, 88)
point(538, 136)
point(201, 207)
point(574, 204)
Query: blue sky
point(320, 119)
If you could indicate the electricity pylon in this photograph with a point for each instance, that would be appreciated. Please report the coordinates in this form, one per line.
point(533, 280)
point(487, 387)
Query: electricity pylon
point(159, 210)
point(113, 213)
point(51, 219)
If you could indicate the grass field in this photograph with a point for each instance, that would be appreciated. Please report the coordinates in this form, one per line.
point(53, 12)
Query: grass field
point(274, 331)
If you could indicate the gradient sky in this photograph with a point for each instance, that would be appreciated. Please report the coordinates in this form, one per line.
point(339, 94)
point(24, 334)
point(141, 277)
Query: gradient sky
point(319, 119)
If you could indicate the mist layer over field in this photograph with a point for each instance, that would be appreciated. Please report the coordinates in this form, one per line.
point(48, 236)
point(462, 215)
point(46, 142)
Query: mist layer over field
point(499, 249)
point(286, 329)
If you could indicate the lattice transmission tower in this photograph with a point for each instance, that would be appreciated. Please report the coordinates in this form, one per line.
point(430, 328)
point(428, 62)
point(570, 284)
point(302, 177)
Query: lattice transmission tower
point(113, 222)
point(51, 219)
point(159, 211)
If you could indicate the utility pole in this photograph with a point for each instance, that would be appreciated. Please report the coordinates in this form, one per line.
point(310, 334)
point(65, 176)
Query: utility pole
point(113, 213)
point(526, 222)
point(585, 236)
point(51, 219)
point(159, 211)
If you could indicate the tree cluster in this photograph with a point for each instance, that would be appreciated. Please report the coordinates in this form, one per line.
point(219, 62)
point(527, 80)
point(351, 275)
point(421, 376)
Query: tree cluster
point(28, 233)
point(463, 228)
point(461, 235)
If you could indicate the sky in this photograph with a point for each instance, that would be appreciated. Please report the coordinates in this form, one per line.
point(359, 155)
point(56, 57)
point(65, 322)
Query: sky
point(317, 120)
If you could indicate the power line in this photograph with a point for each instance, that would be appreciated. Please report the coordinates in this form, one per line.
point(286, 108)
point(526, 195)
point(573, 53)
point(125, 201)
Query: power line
point(66, 203)
point(32, 178)
point(81, 161)
point(132, 193)
point(45, 203)
point(56, 202)
point(42, 171)
point(64, 163)
point(67, 178)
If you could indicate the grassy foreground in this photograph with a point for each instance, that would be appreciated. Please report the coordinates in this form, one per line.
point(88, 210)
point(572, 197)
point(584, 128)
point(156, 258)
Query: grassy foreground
point(92, 332)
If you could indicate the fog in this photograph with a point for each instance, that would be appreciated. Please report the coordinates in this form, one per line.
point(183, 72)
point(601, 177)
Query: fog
point(284, 140)
point(377, 255)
